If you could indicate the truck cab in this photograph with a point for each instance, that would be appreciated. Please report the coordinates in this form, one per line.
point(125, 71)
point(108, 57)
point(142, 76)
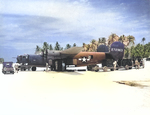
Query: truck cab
point(8, 68)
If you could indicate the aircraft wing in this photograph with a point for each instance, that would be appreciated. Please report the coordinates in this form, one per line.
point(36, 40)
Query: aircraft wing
point(71, 52)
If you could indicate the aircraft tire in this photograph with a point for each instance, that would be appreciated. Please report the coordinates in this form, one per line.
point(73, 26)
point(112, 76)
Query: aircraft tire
point(33, 68)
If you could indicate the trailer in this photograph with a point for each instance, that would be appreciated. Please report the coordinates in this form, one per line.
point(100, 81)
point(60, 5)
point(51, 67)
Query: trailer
point(109, 64)
point(122, 63)
point(24, 67)
point(106, 64)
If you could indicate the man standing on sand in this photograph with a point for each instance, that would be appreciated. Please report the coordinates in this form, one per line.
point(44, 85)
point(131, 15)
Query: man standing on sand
point(136, 64)
point(16, 68)
point(47, 67)
point(115, 64)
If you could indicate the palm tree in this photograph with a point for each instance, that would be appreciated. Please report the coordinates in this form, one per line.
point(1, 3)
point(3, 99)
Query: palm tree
point(104, 40)
point(74, 45)
point(84, 47)
point(57, 46)
point(45, 46)
point(50, 47)
point(130, 39)
point(122, 38)
point(112, 38)
point(93, 45)
point(93, 41)
point(126, 53)
point(99, 40)
point(68, 46)
point(143, 39)
point(37, 48)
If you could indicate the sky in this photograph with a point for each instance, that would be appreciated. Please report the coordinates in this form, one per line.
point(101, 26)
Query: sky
point(27, 23)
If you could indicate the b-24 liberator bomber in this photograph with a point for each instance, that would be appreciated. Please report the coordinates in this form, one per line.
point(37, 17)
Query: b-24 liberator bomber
point(58, 60)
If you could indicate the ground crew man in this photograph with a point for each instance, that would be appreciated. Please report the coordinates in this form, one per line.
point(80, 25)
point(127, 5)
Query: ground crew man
point(16, 68)
point(142, 62)
point(47, 67)
point(136, 64)
point(115, 64)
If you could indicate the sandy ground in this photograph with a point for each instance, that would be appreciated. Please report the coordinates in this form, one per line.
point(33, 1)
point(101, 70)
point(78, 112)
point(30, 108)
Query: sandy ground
point(75, 93)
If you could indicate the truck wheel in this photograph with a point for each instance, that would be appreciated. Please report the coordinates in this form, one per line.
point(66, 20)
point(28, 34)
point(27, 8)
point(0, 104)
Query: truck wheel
point(33, 68)
point(130, 67)
point(112, 69)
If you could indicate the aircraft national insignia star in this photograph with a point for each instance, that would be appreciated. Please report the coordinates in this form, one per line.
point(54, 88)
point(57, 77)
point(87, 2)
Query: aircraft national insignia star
point(84, 59)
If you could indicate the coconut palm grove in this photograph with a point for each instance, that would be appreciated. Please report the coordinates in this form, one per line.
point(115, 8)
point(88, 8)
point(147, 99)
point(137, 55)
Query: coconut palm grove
point(132, 50)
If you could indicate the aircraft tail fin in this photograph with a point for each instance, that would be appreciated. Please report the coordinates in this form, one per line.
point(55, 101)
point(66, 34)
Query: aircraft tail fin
point(117, 50)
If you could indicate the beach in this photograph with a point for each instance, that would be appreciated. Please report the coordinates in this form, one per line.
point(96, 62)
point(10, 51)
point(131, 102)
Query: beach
point(75, 93)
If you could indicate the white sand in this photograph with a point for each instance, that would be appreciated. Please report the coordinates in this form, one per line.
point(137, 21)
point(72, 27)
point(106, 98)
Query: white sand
point(75, 93)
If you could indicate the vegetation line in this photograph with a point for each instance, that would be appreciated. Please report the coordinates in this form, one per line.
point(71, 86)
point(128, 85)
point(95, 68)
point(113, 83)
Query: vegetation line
point(131, 50)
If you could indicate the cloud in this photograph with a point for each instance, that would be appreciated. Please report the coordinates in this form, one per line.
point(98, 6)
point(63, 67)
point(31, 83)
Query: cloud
point(67, 20)
point(27, 23)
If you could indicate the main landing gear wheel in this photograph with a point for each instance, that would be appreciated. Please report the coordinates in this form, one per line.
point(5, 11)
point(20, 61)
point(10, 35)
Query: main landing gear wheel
point(112, 69)
point(33, 68)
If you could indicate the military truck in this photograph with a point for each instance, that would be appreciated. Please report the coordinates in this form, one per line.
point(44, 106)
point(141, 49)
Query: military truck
point(8, 68)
